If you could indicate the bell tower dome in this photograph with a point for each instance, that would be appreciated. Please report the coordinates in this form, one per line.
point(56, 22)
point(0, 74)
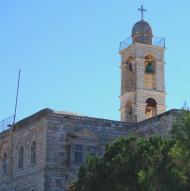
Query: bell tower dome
point(142, 73)
point(142, 32)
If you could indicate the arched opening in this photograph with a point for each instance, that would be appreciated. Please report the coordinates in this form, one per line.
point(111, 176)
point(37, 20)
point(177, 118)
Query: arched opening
point(129, 64)
point(20, 157)
point(128, 80)
point(128, 108)
point(150, 72)
point(33, 152)
point(149, 64)
point(5, 164)
point(151, 108)
point(127, 73)
point(129, 111)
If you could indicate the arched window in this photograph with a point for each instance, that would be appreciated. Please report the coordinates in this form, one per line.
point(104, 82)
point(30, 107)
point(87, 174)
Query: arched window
point(129, 63)
point(130, 67)
point(128, 108)
point(149, 64)
point(128, 75)
point(151, 108)
point(20, 157)
point(150, 72)
point(129, 111)
point(5, 164)
point(33, 152)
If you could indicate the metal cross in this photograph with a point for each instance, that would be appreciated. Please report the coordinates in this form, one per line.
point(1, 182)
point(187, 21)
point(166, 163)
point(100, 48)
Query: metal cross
point(142, 10)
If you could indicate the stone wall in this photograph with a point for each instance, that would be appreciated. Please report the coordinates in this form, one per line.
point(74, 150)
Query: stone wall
point(158, 125)
point(66, 131)
point(5, 148)
point(29, 177)
point(57, 135)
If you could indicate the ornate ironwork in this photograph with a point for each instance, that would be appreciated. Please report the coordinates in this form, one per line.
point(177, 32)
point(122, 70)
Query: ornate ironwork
point(155, 41)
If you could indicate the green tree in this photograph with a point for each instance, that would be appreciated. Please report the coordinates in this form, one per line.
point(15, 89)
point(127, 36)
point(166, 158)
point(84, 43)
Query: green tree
point(181, 134)
point(181, 130)
point(135, 164)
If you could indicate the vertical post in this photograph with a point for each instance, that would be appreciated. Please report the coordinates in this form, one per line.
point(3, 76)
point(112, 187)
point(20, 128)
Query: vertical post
point(11, 130)
point(17, 91)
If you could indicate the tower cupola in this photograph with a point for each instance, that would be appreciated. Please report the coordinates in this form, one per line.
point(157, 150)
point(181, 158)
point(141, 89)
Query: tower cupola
point(142, 31)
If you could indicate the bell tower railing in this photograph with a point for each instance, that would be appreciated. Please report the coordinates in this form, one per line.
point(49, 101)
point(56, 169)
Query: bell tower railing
point(155, 41)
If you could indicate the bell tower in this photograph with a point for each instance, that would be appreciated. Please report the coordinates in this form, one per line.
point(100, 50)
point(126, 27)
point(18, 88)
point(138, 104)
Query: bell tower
point(142, 73)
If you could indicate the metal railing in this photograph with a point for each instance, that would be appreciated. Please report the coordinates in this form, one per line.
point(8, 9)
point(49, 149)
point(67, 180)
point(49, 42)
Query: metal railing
point(154, 41)
point(6, 123)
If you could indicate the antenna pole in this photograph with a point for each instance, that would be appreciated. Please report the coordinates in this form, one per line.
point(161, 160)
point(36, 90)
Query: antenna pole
point(17, 92)
point(11, 130)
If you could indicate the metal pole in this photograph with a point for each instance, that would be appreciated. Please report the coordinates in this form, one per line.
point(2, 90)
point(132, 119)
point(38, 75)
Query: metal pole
point(11, 130)
point(18, 84)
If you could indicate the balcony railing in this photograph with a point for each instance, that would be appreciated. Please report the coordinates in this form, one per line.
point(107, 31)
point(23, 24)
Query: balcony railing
point(154, 41)
point(6, 123)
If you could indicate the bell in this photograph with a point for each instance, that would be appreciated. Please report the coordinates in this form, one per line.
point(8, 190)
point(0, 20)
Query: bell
point(149, 68)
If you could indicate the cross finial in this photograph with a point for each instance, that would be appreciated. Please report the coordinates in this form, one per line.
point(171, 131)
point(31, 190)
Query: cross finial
point(142, 10)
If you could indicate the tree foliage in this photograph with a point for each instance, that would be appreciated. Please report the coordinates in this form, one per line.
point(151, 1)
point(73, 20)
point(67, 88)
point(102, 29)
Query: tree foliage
point(141, 164)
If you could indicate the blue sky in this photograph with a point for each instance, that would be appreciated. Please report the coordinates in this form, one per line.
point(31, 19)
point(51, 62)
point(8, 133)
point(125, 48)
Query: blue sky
point(68, 53)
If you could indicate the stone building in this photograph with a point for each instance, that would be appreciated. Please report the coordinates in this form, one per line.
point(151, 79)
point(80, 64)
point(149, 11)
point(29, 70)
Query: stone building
point(44, 151)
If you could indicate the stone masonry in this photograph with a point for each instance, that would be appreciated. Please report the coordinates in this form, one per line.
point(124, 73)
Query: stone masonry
point(142, 74)
point(56, 134)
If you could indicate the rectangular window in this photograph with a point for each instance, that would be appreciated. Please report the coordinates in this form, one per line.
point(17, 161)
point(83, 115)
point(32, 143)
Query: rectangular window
point(78, 153)
point(91, 150)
